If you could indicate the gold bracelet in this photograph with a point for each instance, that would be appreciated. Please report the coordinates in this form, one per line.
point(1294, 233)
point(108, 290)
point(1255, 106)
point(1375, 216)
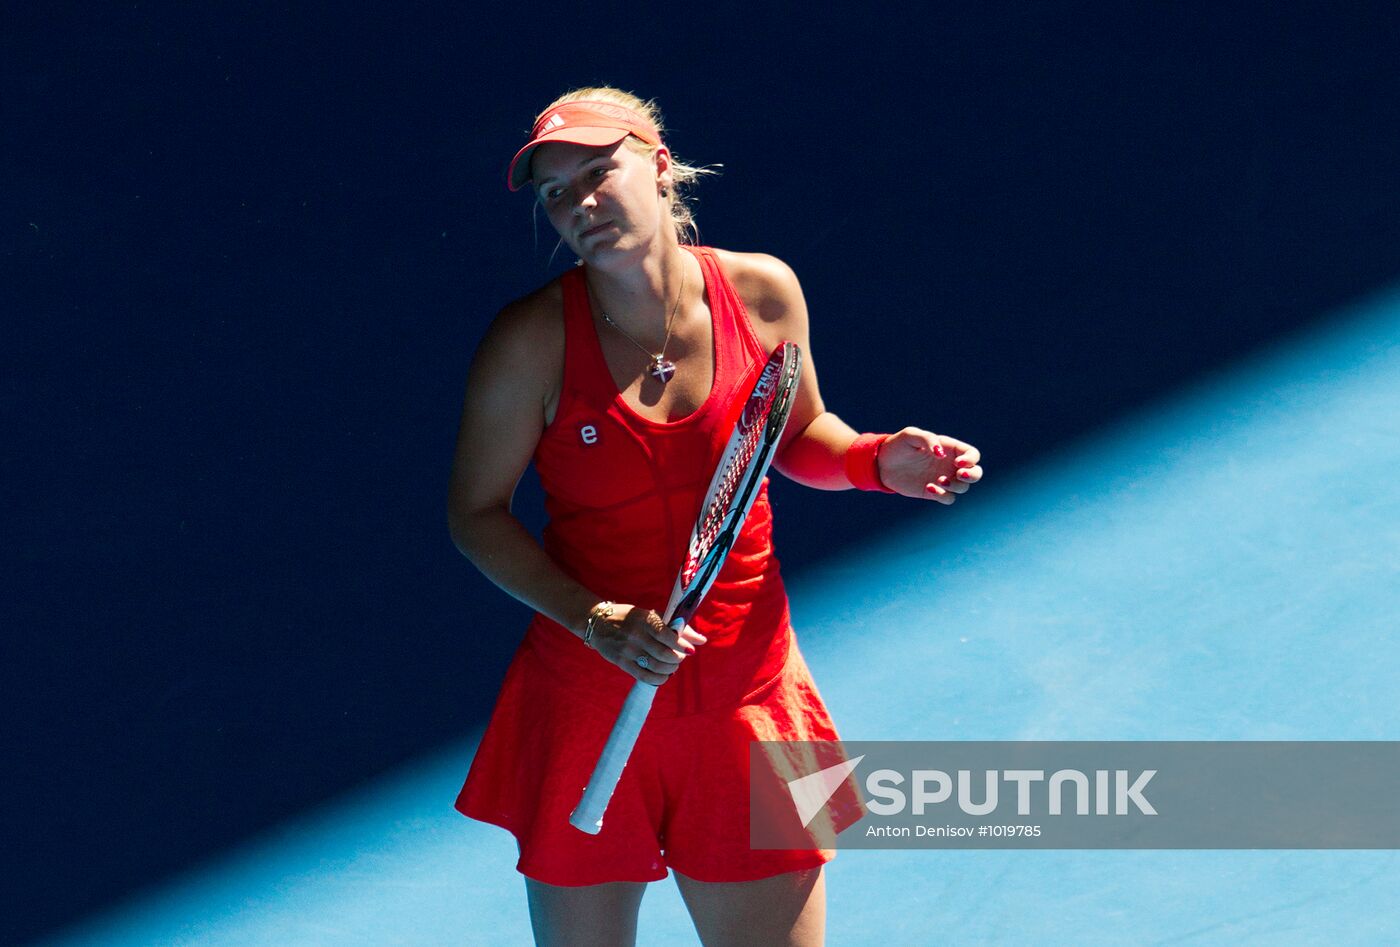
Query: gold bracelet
point(601, 610)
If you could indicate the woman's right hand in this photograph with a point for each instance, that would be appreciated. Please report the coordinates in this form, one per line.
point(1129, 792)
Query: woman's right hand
point(632, 632)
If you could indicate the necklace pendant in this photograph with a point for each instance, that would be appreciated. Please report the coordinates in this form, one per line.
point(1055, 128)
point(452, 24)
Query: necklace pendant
point(662, 369)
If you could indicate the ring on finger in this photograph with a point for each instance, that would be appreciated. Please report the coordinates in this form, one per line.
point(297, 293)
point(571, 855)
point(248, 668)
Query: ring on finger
point(642, 662)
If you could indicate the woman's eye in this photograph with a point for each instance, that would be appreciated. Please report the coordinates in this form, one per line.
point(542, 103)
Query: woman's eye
point(598, 172)
point(553, 193)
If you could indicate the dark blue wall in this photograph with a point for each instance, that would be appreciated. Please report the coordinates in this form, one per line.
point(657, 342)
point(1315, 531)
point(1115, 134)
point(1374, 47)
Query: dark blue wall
point(249, 252)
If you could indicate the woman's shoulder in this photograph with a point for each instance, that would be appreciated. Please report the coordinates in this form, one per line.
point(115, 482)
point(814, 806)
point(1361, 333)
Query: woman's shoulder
point(526, 337)
point(759, 271)
point(767, 285)
point(538, 313)
point(532, 325)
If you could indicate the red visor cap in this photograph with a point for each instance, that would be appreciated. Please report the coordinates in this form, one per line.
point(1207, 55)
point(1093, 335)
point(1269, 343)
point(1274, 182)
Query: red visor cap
point(580, 123)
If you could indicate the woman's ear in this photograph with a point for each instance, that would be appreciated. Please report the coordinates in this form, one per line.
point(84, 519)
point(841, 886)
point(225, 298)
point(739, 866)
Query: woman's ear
point(663, 169)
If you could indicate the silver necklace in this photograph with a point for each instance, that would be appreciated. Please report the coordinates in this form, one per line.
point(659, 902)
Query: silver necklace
point(661, 368)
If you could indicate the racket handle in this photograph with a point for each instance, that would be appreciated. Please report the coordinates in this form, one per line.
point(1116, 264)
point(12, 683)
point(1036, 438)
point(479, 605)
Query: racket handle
point(588, 814)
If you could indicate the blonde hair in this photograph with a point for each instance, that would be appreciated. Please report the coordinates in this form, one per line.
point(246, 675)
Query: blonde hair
point(683, 176)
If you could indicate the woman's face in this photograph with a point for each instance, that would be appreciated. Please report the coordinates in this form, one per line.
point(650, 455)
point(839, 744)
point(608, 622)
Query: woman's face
point(604, 201)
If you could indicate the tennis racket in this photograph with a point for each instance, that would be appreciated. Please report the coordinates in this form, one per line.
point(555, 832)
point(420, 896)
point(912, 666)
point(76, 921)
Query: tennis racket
point(732, 490)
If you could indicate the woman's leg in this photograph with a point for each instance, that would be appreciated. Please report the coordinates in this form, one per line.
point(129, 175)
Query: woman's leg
point(788, 909)
point(603, 915)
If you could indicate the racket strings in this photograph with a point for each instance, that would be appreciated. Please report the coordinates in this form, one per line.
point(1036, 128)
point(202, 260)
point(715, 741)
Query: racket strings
point(753, 423)
point(721, 502)
point(724, 496)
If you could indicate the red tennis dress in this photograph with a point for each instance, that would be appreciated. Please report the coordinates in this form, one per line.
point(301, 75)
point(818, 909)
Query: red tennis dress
point(622, 494)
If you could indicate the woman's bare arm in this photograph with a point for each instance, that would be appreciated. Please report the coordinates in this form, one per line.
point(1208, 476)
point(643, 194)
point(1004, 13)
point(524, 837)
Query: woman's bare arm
point(503, 416)
point(814, 444)
point(913, 462)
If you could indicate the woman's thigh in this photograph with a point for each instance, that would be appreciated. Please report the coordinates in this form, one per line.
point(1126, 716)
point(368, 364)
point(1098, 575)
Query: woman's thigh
point(603, 915)
point(784, 909)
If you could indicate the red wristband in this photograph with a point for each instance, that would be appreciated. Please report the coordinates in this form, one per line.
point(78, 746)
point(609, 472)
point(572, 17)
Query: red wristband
point(863, 464)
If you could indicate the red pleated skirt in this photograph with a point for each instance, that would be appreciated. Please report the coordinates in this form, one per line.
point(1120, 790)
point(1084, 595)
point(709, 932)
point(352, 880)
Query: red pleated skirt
point(683, 799)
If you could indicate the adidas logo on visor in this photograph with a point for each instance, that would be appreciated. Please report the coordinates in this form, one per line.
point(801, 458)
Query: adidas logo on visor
point(554, 122)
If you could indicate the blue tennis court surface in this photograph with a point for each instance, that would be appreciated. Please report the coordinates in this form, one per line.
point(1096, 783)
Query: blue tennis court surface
point(1224, 567)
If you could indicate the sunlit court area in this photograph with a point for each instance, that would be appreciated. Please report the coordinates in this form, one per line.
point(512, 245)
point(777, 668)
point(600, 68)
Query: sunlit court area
point(1225, 567)
point(295, 299)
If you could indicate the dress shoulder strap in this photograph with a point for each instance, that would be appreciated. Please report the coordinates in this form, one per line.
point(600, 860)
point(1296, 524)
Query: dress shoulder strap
point(730, 308)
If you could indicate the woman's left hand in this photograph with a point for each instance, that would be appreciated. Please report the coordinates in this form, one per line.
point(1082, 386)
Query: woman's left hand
point(919, 463)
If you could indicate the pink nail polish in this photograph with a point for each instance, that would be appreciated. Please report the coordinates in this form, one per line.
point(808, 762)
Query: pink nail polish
point(942, 480)
point(938, 449)
point(964, 463)
point(964, 475)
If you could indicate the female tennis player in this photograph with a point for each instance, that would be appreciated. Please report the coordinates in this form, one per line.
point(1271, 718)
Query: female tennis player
point(620, 380)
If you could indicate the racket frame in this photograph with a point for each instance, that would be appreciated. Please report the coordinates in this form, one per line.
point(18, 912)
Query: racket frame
point(770, 403)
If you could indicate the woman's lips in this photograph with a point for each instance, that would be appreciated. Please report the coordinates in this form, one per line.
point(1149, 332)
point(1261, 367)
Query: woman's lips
point(592, 230)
